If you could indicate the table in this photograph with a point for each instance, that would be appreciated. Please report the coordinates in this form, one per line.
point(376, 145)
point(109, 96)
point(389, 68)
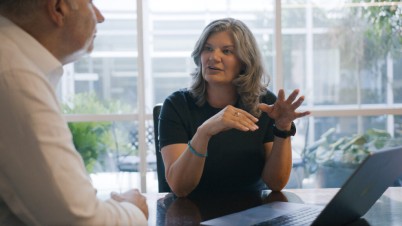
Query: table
point(166, 209)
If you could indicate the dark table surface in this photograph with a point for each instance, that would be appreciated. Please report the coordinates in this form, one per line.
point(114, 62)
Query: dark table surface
point(166, 209)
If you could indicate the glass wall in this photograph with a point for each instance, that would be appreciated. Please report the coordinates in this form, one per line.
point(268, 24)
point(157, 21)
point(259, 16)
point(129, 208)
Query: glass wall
point(345, 56)
point(175, 26)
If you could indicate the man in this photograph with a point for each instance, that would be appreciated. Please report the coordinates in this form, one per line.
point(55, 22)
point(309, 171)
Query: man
point(42, 178)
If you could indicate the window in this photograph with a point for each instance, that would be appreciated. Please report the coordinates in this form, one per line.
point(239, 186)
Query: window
point(331, 51)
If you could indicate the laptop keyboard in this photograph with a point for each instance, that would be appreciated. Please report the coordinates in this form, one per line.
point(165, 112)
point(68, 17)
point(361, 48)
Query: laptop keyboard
point(303, 216)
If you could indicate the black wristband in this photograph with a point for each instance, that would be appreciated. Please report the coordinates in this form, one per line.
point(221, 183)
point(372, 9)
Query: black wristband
point(285, 134)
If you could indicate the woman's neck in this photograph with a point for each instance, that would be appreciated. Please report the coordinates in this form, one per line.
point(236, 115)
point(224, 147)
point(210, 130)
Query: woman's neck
point(221, 96)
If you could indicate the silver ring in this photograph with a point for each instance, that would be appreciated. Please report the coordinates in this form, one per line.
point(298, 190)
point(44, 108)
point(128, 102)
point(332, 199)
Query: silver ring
point(236, 114)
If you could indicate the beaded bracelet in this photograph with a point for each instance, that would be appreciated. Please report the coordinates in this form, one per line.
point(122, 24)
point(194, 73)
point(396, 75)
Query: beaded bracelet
point(195, 152)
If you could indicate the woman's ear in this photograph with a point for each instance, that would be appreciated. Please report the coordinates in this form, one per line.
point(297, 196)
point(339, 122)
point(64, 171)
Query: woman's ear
point(57, 10)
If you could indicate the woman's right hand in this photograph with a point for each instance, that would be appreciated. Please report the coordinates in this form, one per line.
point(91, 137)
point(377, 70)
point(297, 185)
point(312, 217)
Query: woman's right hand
point(183, 168)
point(230, 118)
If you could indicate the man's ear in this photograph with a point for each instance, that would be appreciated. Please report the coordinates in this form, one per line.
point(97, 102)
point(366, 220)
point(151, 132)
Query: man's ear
point(57, 10)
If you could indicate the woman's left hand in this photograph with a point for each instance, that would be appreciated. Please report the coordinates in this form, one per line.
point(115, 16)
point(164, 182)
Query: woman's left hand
point(283, 111)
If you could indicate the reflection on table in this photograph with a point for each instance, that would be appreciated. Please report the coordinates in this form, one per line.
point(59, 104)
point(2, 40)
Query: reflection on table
point(166, 209)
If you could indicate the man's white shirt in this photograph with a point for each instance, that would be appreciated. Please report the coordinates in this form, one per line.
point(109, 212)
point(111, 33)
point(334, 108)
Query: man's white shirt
point(43, 180)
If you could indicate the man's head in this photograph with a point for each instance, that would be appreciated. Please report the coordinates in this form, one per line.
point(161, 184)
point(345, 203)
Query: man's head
point(19, 8)
point(66, 28)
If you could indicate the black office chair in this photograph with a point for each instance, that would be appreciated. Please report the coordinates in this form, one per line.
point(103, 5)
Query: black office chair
point(160, 166)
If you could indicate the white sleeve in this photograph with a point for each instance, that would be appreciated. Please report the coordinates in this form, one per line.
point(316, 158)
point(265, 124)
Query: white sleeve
point(42, 177)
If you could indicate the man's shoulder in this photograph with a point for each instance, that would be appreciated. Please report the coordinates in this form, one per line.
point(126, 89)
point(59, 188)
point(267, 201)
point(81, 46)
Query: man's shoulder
point(12, 57)
point(11, 60)
point(7, 217)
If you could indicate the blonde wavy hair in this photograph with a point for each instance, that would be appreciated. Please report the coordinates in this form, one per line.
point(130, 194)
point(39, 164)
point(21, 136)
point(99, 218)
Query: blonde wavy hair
point(250, 82)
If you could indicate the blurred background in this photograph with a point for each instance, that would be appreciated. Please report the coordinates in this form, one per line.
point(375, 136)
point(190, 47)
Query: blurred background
point(345, 56)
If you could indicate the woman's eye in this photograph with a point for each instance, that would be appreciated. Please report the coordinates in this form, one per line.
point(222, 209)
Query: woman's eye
point(207, 48)
point(227, 51)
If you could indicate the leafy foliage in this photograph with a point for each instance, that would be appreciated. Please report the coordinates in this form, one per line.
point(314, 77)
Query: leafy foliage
point(88, 103)
point(368, 33)
point(385, 25)
point(93, 139)
point(348, 151)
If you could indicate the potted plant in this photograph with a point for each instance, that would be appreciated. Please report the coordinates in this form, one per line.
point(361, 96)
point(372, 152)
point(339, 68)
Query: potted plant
point(97, 141)
point(334, 159)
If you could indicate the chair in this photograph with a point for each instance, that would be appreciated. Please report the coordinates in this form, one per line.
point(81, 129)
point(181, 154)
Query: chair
point(160, 166)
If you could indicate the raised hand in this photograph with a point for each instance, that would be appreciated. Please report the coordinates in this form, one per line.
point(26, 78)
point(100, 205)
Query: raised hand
point(230, 118)
point(283, 111)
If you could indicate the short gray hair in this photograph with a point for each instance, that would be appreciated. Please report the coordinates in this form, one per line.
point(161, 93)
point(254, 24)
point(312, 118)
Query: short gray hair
point(250, 83)
point(20, 8)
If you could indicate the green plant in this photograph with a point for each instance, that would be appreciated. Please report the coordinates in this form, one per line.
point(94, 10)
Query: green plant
point(385, 25)
point(94, 139)
point(347, 151)
point(365, 36)
point(91, 139)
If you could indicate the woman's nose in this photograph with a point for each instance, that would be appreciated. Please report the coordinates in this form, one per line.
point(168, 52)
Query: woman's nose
point(215, 56)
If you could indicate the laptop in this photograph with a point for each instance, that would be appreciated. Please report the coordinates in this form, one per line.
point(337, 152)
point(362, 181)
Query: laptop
point(357, 195)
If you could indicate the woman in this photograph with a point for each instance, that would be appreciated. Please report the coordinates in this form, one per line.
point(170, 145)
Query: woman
point(215, 136)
